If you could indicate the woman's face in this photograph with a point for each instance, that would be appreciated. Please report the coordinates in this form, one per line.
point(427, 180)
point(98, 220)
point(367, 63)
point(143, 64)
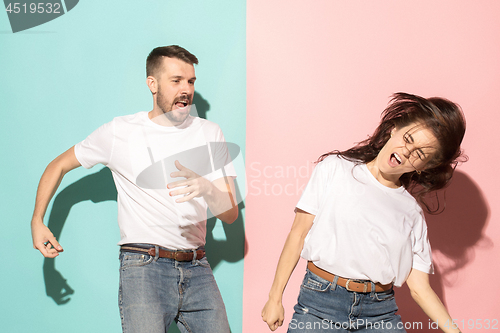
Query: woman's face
point(409, 149)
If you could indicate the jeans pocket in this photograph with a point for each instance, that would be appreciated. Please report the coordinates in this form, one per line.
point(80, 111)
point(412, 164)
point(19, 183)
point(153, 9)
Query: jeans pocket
point(385, 295)
point(129, 259)
point(314, 282)
point(203, 262)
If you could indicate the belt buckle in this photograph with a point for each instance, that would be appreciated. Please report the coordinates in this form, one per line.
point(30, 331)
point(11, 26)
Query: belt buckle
point(365, 285)
point(175, 255)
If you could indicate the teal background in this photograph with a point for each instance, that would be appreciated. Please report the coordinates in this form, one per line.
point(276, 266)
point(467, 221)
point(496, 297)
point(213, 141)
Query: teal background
point(59, 82)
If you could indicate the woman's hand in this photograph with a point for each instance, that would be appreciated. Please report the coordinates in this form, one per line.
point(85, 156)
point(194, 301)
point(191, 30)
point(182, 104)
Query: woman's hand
point(273, 314)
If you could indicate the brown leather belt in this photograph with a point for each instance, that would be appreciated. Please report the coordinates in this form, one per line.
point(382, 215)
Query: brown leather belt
point(359, 286)
point(162, 253)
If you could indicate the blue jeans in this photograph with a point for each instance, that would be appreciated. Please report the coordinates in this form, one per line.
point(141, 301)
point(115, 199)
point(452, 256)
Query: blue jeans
point(156, 291)
point(323, 306)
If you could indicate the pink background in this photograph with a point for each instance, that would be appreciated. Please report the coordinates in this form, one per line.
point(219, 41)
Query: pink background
point(319, 73)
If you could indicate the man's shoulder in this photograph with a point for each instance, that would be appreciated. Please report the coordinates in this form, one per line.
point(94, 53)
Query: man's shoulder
point(126, 120)
point(131, 118)
point(205, 124)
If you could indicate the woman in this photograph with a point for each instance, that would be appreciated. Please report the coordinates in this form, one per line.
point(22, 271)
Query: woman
point(360, 229)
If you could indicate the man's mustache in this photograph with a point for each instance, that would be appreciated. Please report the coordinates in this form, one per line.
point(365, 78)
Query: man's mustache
point(184, 99)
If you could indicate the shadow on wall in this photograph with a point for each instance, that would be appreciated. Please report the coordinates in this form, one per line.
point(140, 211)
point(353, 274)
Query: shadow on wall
point(99, 187)
point(453, 234)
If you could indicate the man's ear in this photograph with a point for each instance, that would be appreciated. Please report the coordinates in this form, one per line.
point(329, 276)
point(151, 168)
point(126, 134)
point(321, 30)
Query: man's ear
point(152, 84)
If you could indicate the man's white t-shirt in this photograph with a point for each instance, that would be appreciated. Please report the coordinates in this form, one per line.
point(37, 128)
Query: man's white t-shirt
point(141, 155)
point(363, 229)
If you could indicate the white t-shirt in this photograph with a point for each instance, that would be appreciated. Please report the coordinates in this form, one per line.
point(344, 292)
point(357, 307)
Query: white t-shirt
point(363, 229)
point(141, 155)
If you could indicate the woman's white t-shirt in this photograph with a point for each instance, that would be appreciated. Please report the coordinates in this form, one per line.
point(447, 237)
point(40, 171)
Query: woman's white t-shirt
point(363, 229)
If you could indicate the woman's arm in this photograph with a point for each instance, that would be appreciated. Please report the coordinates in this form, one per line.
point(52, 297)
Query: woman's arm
point(426, 298)
point(273, 313)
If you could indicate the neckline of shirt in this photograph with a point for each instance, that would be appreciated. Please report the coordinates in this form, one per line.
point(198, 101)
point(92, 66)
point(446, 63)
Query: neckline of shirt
point(190, 121)
point(374, 180)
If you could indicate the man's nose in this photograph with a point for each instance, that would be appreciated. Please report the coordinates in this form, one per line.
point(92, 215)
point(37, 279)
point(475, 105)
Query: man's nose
point(187, 88)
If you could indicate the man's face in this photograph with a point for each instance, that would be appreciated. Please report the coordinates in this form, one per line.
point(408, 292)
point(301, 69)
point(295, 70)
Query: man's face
point(175, 89)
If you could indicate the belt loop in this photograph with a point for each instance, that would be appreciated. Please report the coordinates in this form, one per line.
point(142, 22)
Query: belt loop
point(334, 283)
point(194, 256)
point(157, 252)
point(372, 292)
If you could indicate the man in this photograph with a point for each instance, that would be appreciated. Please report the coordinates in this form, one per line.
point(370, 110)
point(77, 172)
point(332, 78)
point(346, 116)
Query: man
point(168, 166)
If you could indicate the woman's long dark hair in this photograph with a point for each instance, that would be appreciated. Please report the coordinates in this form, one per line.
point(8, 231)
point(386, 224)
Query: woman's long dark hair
point(441, 116)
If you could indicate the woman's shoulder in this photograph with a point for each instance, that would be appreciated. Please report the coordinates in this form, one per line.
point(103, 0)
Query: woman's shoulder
point(335, 160)
point(334, 165)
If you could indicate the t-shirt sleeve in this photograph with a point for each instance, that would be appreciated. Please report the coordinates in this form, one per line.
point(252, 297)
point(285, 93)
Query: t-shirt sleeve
point(313, 194)
point(222, 157)
point(422, 255)
point(97, 147)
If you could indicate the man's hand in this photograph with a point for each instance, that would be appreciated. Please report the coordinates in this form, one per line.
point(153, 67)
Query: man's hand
point(195, 185)
point(273, 314)
point(44, 240)
point(217, 194)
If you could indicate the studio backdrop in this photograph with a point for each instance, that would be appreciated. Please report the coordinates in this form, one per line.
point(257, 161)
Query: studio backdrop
point(286, 81)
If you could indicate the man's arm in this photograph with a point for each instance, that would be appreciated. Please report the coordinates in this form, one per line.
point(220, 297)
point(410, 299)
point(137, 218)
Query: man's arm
point(43, 239)
point(219, 194)
point(222, 201)
point(426, 298)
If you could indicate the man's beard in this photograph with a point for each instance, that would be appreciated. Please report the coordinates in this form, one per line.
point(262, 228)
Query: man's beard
point(166, 108)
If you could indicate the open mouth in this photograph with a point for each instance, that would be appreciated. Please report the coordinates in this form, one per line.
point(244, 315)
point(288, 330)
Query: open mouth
point(181, 104)
point(395, 158)
point(182, 101)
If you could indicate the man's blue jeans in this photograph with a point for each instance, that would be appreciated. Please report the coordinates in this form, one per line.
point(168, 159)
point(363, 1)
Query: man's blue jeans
point(323, 306)
point(156, 291)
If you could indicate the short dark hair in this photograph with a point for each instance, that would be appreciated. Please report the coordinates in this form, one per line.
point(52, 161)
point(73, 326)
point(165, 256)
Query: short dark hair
point(154, 60)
